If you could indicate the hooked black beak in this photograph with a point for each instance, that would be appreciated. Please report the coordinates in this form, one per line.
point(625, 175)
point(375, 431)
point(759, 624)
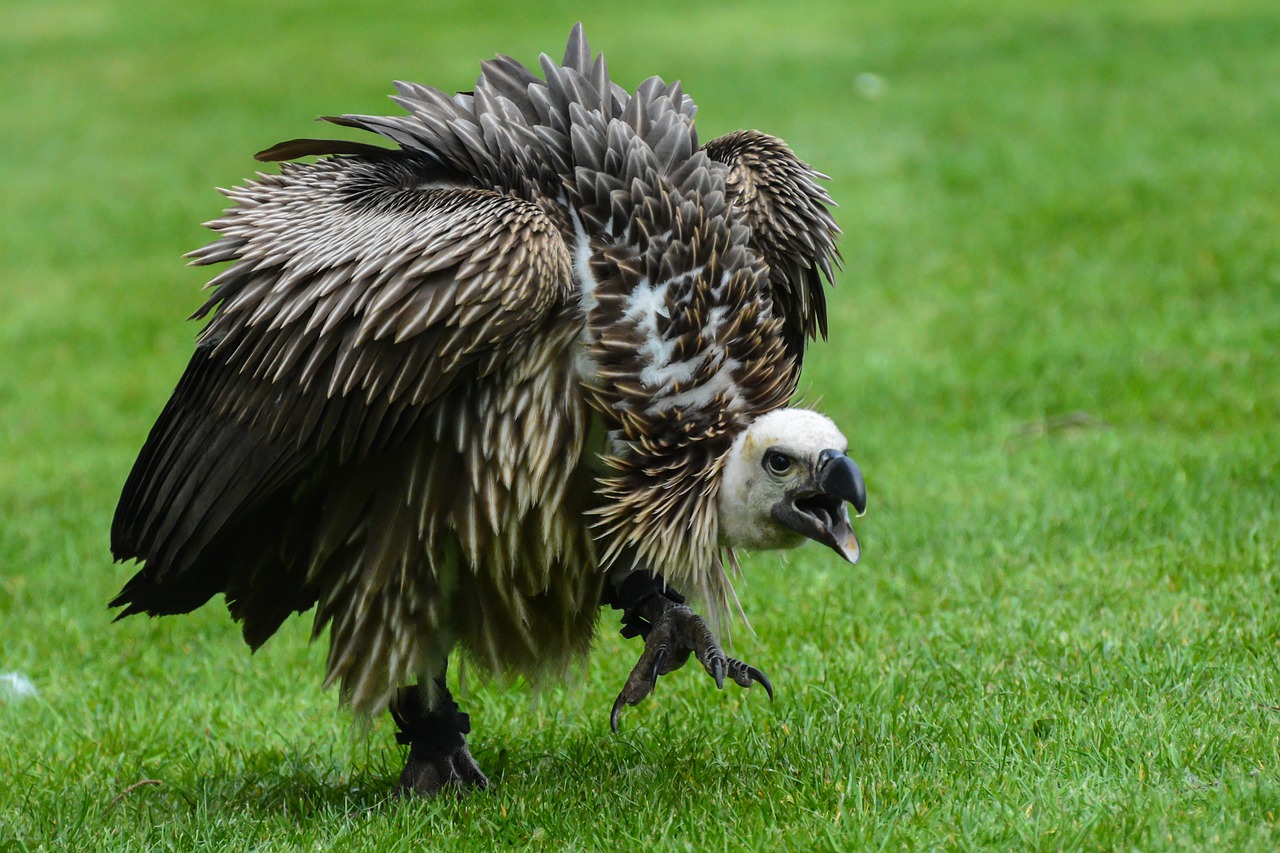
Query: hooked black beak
point(820, 514)
point(840, 477)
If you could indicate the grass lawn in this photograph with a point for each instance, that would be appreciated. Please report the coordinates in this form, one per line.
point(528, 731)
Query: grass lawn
point(1055, 349)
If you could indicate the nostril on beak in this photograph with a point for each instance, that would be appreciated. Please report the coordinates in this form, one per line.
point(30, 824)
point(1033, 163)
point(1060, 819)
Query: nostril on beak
point(840, 476)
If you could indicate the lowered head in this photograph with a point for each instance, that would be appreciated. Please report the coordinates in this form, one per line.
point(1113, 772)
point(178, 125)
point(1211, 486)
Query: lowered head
point(786, 479)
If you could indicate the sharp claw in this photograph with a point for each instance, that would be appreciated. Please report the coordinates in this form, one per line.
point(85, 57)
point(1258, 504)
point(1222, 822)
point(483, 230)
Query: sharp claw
point(659, 658)
point(617, 709)
point(675, 634)
point(757, 675)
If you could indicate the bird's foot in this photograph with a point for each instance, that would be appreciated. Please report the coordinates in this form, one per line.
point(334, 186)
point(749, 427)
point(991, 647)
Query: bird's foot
point(674, 632)
point(435, 731)
point(428, 773)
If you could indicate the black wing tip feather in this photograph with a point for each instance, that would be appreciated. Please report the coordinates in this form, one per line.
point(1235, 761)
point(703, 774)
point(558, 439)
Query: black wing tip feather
point(128, 597)
point(292, 149)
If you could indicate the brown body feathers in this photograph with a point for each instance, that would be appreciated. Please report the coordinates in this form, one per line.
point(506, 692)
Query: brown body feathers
point(445, 386)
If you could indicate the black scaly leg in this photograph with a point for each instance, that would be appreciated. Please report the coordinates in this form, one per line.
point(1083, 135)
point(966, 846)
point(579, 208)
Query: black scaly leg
point(435, 732)
point(653, 610)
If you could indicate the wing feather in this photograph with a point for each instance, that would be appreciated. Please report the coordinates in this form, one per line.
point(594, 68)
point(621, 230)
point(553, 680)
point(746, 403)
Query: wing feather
point(361, 289)
point(779, 198)
point(470, 269)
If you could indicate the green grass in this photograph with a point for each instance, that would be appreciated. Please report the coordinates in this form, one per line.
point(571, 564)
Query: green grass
point(1056, 350)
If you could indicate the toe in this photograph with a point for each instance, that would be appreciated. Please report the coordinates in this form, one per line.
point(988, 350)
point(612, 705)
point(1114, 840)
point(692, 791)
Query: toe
point(747, 675)
point(428, 777)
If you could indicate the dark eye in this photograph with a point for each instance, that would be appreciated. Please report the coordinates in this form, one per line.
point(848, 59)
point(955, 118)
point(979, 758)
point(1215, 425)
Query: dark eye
point(777, 463)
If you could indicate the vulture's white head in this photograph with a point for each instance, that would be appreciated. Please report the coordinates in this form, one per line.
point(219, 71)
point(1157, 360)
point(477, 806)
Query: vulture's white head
point(787, 479)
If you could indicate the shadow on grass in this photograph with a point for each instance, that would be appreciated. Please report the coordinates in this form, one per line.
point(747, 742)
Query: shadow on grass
point(285, 782)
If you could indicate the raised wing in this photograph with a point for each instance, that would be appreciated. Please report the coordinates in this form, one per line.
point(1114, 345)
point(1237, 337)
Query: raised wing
point(777, 195)
point(360, 290)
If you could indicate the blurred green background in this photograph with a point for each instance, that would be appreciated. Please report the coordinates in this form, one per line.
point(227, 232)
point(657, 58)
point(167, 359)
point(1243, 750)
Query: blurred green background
point(1055, 349)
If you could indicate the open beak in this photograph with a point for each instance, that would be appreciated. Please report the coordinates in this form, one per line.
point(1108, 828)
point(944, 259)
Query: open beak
point(822, 514)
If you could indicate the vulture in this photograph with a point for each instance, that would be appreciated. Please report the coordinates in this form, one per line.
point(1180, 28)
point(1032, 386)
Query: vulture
point(528, 358)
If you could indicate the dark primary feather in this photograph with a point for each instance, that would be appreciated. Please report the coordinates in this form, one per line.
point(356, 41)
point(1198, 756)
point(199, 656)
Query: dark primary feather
point(295, 148)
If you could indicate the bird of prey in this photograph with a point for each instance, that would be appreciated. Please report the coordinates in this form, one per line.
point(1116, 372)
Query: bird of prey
point(528, 358)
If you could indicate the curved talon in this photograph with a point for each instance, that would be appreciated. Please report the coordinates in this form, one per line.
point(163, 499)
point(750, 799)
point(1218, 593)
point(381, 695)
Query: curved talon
point(617, 709)
point(673, 635)
point(659, 658)
point(757, 675)
point(745, 675)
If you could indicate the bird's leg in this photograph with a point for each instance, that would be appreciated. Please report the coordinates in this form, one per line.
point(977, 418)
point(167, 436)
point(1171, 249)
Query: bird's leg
point(435, 732)
point(671, 631)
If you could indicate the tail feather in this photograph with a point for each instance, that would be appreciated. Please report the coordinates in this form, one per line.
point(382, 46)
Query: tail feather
point(198, 483)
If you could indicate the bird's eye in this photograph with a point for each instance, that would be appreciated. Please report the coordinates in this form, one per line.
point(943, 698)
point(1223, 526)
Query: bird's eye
point(777, 463)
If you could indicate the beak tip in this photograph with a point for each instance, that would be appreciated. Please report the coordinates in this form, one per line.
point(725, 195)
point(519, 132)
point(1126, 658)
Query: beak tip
point(850, 548)
point(841, 477)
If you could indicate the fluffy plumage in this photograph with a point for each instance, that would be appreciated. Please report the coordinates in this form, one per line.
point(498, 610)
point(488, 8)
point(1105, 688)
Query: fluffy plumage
point(446, 387)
